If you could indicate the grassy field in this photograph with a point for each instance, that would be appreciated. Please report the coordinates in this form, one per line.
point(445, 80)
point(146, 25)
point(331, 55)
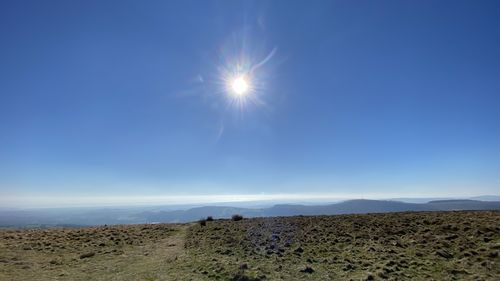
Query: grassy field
point(396, 246)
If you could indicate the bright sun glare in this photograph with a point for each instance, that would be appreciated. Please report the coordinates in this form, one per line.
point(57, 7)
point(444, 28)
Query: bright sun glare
point(239, 86)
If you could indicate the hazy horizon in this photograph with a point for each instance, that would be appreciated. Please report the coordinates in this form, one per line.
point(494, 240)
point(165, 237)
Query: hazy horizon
point(202, 200)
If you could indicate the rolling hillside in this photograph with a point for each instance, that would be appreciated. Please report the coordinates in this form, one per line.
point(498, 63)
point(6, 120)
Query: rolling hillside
point(462, 245)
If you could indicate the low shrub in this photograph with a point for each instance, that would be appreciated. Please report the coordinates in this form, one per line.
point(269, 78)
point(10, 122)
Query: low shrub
point(209, 218)
point(202, 222)
point(236, 217)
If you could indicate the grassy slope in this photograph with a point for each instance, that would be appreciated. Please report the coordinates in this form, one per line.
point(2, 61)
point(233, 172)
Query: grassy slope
point(417, 246)
point(136, 252)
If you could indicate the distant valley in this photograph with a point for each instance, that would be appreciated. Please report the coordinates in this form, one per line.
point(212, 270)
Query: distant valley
point(100, 216)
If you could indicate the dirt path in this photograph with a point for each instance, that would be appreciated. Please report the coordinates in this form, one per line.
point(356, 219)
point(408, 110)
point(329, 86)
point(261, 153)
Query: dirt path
point(156, 261)
point(171, 249)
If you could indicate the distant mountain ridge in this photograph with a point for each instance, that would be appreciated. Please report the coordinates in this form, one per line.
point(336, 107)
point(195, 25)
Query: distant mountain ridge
point(486, 198)
point(357, 206)
point(123, 216)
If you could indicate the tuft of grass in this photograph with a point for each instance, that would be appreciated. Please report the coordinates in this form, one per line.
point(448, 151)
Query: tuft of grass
point(87, 255)
point(202, 222)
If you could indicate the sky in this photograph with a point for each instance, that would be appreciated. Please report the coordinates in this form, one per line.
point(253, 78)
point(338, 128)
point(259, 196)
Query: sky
point(102, 100)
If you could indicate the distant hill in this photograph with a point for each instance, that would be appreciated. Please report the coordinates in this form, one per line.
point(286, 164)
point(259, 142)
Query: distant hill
point(359, 206)
point(347, 207)
point(486, 198)
point(453, 205)
point(58, 217)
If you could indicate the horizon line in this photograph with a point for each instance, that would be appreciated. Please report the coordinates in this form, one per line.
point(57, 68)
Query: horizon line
point(65, 201)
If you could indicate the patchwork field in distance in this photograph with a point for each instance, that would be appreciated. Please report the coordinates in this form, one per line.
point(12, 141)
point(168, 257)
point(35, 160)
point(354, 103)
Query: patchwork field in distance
point(461, 245)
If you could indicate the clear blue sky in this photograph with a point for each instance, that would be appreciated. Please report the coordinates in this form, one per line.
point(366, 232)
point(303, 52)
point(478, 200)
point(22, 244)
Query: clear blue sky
point(361, 98)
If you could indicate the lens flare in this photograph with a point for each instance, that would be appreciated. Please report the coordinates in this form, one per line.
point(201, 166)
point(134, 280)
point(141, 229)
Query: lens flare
point(240, 86)
point(242, 79)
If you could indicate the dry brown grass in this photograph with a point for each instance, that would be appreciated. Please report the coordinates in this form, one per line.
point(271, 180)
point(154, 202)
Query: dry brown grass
point(398, 246)
point(128, 252)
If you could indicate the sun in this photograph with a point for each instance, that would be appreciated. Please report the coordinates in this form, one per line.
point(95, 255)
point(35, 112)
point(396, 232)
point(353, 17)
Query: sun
point(242, 80)
point(240, 86)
